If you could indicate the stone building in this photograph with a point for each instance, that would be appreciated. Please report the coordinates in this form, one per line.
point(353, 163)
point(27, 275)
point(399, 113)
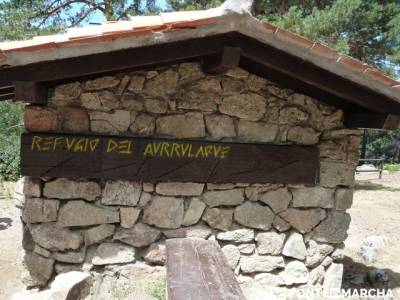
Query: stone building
point(215, 76)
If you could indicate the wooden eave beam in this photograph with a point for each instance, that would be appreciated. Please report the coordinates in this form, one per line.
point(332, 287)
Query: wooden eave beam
point(30, 92)
point(219, 63)
point(371, 120)
point(313, 75)
point(7, 97)
point(300, 75)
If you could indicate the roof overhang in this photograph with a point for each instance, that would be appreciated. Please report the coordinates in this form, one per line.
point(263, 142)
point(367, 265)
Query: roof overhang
point(368, 98)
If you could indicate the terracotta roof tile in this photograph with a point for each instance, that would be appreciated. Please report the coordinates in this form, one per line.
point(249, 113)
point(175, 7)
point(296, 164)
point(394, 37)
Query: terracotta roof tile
point(120, 26)
point(146, 21)
point(183, 16)
point(378, 75)
point(293, 38)
point(194, 23)
point(74, 33)
point(173, 21)
point(325, 51)
point(270, 27)
point(33, 47)
point(352, 63)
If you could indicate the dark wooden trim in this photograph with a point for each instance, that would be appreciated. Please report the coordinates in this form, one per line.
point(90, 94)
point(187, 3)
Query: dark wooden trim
point(274, 64)
point(371, 120)
point(219, 63)
point(153, 160)
point(118, 61)
point(312, 75)
point(7, 97)
point(7, 90)
point(30, 92)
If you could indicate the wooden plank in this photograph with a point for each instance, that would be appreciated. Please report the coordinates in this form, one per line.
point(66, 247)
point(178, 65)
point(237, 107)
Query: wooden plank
point(310, 74)
point(219, 63)
point(117, 61)
point(198, 270)
point(371, 120)
point(57, 155)
point(7, 97)
point(290, 71)
point(30, 92)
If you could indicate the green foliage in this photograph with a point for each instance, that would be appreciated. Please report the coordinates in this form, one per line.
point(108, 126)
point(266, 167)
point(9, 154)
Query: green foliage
point(392, 167)
point(158, 290)
point(10, 130)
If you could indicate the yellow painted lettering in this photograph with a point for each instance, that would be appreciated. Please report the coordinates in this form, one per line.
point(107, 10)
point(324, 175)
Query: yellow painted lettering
point(190, 155)
point(200, 151)
point(225, 152)
point(70, 143)
point(125, 147)
point(175, 149)
point(47, 143)
point(111, 146)
point(36, 143)
point(57, 141)
point(157, 147)
point(165, 148)
point(217, 150)
point(148, 151)
point(93, 144)
point(208, 150)
point(80, 145)
point(184, 149)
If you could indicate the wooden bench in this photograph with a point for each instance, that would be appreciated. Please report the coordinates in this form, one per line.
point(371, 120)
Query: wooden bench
point(197, 270)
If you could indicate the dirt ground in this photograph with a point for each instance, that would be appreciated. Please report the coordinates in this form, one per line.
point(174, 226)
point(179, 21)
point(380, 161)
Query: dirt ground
point(375, 212)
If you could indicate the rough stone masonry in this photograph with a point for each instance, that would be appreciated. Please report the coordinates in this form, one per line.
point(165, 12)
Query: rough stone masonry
point(276, 234)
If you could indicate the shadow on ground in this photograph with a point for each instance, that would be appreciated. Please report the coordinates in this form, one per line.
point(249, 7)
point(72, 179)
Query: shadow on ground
point(358, 276)
point(370, 186)
point(5, 223)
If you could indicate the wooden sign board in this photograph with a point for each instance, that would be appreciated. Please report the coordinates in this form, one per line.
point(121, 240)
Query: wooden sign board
point(153, 160)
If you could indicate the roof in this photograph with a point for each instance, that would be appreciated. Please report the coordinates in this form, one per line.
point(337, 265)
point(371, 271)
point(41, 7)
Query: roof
point(145, 31)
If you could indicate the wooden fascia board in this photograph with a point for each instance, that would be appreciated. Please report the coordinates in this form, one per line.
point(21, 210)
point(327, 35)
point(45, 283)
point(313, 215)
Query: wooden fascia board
point(342, 92)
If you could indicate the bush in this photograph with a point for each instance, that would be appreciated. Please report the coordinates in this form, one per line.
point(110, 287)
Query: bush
point(391, 167)
point(11, 127)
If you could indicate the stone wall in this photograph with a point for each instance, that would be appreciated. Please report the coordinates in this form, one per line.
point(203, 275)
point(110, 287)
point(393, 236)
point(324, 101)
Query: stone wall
point(277, 234)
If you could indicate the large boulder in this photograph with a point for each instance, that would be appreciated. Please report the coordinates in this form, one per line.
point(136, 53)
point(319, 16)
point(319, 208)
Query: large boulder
point(63, 188)
point(295, 247)
point(254, 215)
point(120, 192)
point(257, 263)
point(303, 220)
point(270, 242)
point(81, 213)
point(179, 188)
point(164, 212)
point(139, 236)
point(313, 197)
point(113, 253)
point(39, 210)
point(53, 236)
point(71, 286)
point(98, 233)
point(39, 268)
point(223, 198)
point(218, 218)
point(333, 229)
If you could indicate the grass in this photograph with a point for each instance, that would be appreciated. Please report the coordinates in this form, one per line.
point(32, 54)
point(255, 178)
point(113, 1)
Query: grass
point(391, 167)
point(120, 291)
point(158, 289)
